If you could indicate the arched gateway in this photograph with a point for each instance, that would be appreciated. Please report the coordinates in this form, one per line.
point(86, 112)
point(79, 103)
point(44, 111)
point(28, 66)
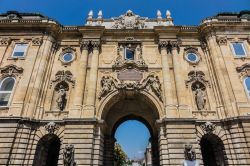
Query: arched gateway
point(129, 105)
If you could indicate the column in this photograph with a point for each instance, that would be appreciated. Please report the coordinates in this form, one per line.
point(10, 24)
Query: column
point(89, 108)
point(42, 61)
point(81, 80)
point(179, 80)
point(168, 95)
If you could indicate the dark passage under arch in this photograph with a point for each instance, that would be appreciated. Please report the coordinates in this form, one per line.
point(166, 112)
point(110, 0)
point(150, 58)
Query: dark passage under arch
point(212, 150)
point(47, 151)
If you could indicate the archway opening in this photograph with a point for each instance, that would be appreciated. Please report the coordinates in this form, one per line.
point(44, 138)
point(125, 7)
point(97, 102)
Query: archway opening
point(134, 139)
point(212, 150)
point(127, 107)
point(47, 151)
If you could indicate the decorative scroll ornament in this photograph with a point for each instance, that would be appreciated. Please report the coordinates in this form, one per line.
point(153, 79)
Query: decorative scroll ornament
point(244, 70)
point(69, 155)
point(129, 21)
point(37, 41)
point(5, 41)
point(64, 76)
point(221, 40)
point(109, 84)
point(11, 70)
point(51, 127)
point(208, 127)
point(196, 76)
point(189, 152)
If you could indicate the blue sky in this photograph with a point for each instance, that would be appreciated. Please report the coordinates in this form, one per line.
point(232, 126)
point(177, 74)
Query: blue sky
point(74, 12)
point(133, 136)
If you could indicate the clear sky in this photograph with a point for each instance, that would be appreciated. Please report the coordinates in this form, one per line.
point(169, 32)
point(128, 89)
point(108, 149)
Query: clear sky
point(74, 12)
point(133, 137)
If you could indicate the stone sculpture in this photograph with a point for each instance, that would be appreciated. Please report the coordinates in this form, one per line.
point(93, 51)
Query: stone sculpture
point(68, 155)
point(107, 84)
point(200, 97)
point(61, 99)
point(190, 156)
point(51, 127)
point(208, 127)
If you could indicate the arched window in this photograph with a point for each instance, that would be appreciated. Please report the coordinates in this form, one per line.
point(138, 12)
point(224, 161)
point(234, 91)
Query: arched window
point(6, 87)
point(247, 85)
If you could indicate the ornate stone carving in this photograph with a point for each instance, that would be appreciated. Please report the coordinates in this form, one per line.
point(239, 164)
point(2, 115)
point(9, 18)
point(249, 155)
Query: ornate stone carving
point(222, 40)
point(107, 85)
point(200, 96)
point(196, 76)
point(61, 99)
point(37, 41)
point(84, 44)
point(170, 45)
point(151, 82)
point(129, 21)
point(244, 70)
point(64, 76)
point(5, 41)
point(69, 155)
point(95, 44)
point(68, 49)
point(208, 127)
point(11, 70)
point(189, 152)
point(51, 127)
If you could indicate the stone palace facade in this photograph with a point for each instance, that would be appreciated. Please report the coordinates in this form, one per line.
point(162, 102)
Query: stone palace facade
point(64, 90)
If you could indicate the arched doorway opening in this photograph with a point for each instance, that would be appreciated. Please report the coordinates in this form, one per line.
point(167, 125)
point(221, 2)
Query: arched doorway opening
point(129, 107)
point(212, 150)
point(47, 151)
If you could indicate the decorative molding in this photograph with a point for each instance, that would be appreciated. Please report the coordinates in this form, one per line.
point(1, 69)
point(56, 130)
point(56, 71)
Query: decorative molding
point(95, 44)
point(189, 153)
point(170, 45)
point(37, 41)
point(208, 127)
point(68, 49)
point(69, 155)
point(5, 41)
point(129, 21)
point(196, 76)
point(84, 44)
point(191, 49)
point(221, 40)
point(244, 70)
point(64, 76)
point(51, 127)
point(109, 84)
point(11, 70)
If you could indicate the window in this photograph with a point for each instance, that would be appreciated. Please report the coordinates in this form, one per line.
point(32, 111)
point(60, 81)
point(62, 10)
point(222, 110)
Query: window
point(6, 87)
point(68, 57)
point(19, 50)
point(247, 85)
point(129, 54)
point(239, 50)
point(192, 57)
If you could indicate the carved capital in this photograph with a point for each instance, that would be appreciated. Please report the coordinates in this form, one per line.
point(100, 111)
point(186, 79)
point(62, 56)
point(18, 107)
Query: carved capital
point(163, 44)
point(208, 127)
point(222, 40)
point(5, 41)
point(11, 71)
point(37, 41)
point(176, 44)
point(96, 45)
point(84, 44)
point(51, 127)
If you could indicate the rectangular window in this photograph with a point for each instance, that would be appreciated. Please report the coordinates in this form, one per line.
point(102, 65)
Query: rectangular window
point(239, 50)
point(19, 50)
point(129, 54)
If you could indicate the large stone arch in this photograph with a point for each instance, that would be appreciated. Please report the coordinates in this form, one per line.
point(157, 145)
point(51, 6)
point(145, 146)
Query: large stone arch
point(121, 106)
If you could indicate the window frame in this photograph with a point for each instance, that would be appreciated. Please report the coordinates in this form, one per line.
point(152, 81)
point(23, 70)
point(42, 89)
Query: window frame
point(7, 92)
point(125, 53)
point(245, 86)
point(25, 52)
point(243, 47)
